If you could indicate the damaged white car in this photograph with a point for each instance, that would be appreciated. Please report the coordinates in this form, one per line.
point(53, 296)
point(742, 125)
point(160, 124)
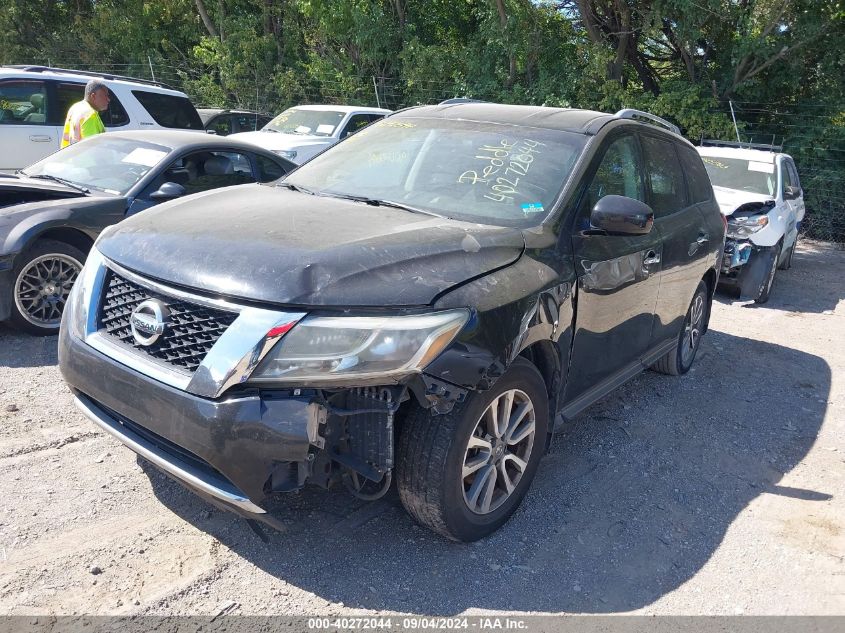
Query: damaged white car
point(759, 193)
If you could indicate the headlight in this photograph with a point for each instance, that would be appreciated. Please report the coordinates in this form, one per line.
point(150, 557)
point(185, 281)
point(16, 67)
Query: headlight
point(286, 153)
point(744, 226)
point(76, 313)
point(328, 349)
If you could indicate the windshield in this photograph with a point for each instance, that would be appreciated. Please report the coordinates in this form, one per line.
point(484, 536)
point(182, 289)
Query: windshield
point(741, 174)
point(102, 162)
point(479, 172)
point(315, 122)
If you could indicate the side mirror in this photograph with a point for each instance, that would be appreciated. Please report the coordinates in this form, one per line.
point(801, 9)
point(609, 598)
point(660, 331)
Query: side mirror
point(168, 191)
point(791, 192)
point(620, 215)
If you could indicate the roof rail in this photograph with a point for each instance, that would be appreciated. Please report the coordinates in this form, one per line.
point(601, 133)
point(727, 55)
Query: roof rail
point(630, 113)
point(771, 147)
point(88, 73)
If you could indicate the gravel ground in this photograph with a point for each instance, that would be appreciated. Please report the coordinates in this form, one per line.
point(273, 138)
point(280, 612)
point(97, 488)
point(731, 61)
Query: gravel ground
point(719, 492)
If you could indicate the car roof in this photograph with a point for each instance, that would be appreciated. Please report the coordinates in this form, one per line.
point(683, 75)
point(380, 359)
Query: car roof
point(228, 111)
point(46, 72)
point(741, 153)
point(569, 119)
point(182, 139)
point(340, 108)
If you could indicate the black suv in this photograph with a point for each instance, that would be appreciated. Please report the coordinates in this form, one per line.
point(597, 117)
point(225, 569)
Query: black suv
point(417, 303)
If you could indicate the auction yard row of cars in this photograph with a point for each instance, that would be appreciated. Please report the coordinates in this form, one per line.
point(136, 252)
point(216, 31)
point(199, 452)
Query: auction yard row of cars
point(418, 304)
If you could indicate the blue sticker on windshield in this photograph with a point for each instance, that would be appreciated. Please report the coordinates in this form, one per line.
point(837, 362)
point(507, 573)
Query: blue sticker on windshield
point(532, 207)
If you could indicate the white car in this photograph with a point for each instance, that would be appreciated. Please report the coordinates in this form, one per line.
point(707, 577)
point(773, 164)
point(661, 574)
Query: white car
point(759, 193)
point(34, 101)
point(302, 132)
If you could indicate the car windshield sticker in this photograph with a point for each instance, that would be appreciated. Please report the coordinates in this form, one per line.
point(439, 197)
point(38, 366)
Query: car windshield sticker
point(302, 129)
point(532, 207)
point(143, 156)
point(766, 168)
point(325, 128)
point(503, 167)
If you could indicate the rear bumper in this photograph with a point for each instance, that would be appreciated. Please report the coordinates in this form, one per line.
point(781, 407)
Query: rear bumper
point(228, 449)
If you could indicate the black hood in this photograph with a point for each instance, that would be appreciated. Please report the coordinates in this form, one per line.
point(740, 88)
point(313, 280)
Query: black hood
point(14, 190)
point(274, 245)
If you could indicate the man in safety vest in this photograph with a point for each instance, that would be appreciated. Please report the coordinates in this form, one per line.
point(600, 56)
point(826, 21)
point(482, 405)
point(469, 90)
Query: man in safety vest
point(83, 118)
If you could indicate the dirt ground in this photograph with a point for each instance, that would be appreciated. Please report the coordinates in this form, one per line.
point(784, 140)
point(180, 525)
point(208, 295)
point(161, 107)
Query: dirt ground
point(720, 492)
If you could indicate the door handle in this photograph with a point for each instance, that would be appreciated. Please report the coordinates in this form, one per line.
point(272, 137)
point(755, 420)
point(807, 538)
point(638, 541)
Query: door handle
point(703, 238)
point(40, 138)
point(652, 257)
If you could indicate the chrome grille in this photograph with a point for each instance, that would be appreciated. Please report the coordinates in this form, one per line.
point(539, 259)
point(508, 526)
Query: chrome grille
point(191, 332)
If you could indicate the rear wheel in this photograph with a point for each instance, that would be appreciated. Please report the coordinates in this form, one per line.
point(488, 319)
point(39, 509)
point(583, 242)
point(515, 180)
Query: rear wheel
point(679, 360)
point(464, 474)
point(42, 282)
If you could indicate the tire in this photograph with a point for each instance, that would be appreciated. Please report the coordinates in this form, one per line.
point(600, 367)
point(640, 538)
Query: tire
point(679, 360)
point(41, 282)
point(434, 450)
point(765, 288)
point(786, 264)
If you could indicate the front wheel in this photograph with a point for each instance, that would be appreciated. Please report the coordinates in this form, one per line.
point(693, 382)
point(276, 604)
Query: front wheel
point(786, 264)
point(765, 288)
point(679, 360)
point(464, 474)
point(42, 282)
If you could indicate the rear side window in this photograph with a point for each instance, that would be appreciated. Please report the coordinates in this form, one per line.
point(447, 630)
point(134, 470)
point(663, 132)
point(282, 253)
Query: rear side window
point(69, 93)
point(698, 182)
point(169, 110)
point(23, 103)
point(664, 175)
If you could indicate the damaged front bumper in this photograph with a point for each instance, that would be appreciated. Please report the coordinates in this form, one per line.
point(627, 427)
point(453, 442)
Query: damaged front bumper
point(243, 448)
point(745, 266)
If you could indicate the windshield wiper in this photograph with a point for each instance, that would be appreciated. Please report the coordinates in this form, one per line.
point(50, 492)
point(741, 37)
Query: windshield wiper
point(377, 202)
point(292, 187)
point(62, 181)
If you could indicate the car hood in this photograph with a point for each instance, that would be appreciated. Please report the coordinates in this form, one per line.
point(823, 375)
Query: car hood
point(279, 141)
point(274, 245)
point(731, 199)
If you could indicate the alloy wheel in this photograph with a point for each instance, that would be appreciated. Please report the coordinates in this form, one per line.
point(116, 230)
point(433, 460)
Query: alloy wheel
point(692, 329)
point(498, 451)
point(43, 286)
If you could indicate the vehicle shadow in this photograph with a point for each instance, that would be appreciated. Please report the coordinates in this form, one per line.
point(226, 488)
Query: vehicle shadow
point(812, 284)
point(633, 499)
point(23, 350)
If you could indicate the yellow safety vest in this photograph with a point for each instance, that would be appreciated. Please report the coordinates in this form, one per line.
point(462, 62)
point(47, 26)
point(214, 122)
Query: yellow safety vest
point(82, 121)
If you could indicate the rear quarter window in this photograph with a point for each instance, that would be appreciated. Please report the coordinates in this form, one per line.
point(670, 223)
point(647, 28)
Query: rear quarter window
point(169, 110)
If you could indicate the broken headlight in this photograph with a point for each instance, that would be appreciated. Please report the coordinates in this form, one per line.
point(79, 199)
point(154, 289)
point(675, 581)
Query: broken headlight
point(744, 226)
point(340, 348)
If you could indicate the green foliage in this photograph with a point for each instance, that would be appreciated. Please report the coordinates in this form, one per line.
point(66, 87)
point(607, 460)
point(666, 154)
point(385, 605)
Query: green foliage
point(685, 60)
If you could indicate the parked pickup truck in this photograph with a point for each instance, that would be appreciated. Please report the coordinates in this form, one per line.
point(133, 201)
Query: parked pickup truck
point(417, 304)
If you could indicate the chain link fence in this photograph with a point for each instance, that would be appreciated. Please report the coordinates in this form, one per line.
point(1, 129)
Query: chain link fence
point(813, 134)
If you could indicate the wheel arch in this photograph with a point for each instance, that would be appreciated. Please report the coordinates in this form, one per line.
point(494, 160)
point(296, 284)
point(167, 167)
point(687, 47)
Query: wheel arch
point(68, 235)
